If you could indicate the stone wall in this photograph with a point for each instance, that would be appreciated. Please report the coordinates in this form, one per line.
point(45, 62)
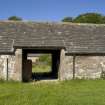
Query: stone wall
point(87, 67)
point(66, 66)
point(7, 63)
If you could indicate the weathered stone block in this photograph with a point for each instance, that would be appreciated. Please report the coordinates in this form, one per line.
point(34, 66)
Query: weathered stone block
point(89, 66)
point(7, 66)
point(18, 65)
point(66, 66)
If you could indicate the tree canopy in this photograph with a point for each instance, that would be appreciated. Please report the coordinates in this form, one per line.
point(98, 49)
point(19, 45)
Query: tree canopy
point(89, 18)
point(67, 19)
point(15, 18)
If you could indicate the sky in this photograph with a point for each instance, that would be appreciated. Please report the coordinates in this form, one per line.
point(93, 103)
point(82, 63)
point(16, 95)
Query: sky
point(49, 10)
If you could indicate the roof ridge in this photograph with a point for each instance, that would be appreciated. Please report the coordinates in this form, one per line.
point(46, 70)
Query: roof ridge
point(52, 23)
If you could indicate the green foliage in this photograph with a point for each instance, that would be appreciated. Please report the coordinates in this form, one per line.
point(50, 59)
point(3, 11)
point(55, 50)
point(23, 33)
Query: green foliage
point(90, 18)
point(67, 19)
point(74, 92)
point(15, 18)
point(103, 75)
point(45, 58)
point(87, 18)
point(43, 64)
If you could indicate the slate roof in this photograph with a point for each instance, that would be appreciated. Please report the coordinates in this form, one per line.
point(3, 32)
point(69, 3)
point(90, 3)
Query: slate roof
point(75, 38)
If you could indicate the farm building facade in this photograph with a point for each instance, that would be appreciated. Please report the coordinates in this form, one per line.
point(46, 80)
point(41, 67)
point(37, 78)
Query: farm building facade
point(78, 50)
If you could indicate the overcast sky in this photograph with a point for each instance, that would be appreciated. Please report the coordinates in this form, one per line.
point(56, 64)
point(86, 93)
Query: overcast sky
point(49, 10)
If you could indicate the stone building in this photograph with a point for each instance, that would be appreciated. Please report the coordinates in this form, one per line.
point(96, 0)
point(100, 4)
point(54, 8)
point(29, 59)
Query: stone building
point(78, 50)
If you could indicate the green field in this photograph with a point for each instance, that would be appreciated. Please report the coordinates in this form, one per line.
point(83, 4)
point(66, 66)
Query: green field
point(43, 64)
point(41, 68)
point(74, 92)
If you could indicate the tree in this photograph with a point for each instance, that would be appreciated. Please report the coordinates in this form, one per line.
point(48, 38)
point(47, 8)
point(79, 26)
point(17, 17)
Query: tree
point(67, 19)
point(90, 18)
point(45, 58)
point(15, 18)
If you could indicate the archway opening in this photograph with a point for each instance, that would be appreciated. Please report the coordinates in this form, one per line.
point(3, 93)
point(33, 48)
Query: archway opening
point(40, 64)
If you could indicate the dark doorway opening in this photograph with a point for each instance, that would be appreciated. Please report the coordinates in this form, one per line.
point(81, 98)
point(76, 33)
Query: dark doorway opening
point(32, 71)
point(41, 65)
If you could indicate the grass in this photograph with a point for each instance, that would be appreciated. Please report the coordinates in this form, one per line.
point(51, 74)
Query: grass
point(41, 68)
point(43, 64)
point(74, 92)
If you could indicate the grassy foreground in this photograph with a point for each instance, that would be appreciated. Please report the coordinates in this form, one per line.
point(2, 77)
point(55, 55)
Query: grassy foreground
point(77, 92)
